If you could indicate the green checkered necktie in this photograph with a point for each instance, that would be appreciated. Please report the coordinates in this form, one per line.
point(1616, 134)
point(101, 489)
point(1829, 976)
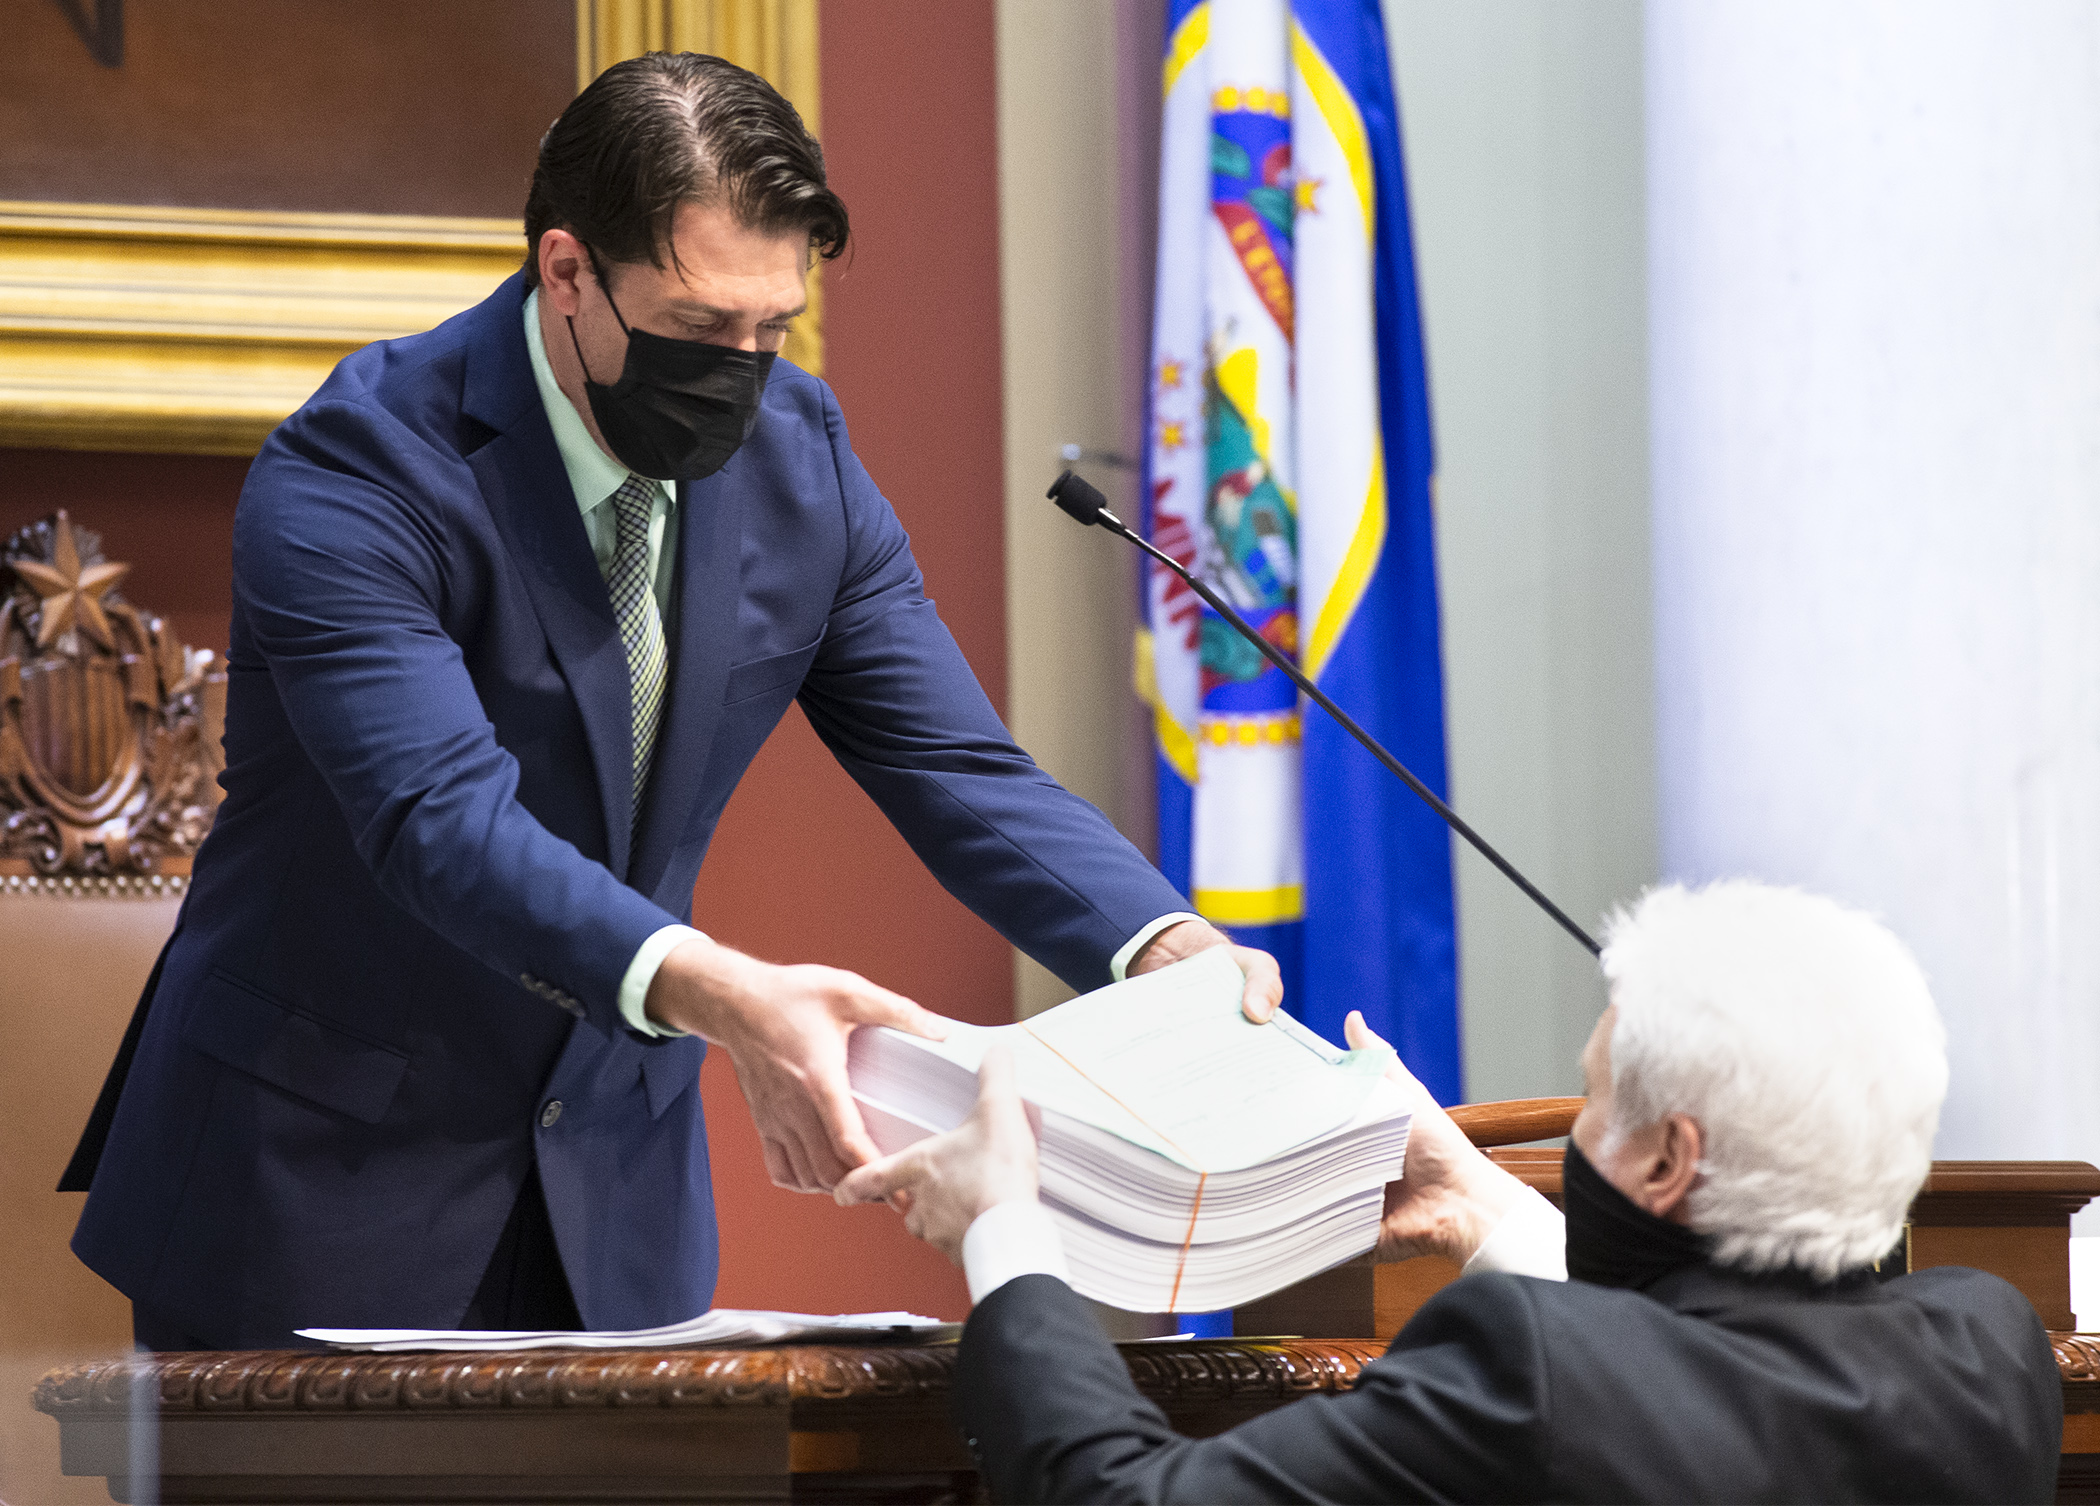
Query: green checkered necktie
point(641, 626)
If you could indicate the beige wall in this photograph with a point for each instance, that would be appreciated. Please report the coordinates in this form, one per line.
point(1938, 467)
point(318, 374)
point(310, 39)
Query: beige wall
point(1066, 327)
point(1523, 131)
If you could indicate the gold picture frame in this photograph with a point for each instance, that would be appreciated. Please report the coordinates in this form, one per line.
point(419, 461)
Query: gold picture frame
point(197, 331)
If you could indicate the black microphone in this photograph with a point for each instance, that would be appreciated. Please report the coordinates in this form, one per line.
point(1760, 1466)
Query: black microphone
point(1084, 502)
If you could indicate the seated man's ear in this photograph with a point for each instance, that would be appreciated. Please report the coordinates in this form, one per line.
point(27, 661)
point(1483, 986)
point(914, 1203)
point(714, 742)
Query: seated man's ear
point(1670, 1174)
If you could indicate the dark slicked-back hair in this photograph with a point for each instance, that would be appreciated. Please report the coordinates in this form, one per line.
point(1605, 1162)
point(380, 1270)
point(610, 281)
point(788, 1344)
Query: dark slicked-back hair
point(669, 127)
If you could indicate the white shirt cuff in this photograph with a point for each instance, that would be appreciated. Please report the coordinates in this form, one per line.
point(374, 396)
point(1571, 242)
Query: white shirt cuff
point(1136, 944)
point(1009, 1240)
point(1531, 1240)
point(634, 987)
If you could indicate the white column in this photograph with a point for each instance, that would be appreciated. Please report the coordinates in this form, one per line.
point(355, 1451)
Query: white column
point(1521, 122)
point(1875, 325)
point(1071, 592)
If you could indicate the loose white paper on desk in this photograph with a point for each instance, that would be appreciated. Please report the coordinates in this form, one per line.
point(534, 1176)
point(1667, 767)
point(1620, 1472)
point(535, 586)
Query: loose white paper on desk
point(721, 1326)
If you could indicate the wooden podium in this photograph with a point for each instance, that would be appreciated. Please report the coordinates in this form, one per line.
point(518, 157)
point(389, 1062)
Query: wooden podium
point(814, 1423)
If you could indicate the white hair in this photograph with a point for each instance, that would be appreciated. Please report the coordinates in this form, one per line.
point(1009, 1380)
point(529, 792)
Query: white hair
point(1801, 1036)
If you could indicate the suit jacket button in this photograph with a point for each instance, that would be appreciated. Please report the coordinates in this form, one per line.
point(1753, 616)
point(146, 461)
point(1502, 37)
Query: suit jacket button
point(550, 1113)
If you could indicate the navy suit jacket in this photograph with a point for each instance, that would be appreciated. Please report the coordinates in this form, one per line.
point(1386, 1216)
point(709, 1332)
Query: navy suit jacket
point(406, 933)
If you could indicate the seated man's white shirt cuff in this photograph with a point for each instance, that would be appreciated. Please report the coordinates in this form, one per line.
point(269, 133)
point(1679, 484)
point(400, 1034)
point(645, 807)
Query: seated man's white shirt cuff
point(634, 986)
point(1009, 1240)
point(1127, 954)
point(1531, 1240)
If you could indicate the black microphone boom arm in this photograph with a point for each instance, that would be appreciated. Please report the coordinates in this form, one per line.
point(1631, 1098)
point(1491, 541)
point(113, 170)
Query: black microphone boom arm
point(1084, 502)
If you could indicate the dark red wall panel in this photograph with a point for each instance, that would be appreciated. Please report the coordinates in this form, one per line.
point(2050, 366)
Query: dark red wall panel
point(804, 868)
point(170, 517)
point(384, 106)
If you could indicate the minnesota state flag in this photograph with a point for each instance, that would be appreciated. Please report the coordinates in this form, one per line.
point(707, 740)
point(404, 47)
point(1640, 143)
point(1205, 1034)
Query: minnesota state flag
point(1289, 461)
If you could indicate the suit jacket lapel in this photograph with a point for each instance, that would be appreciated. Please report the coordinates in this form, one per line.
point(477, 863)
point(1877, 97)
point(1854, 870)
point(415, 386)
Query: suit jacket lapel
point(528, 495)
point(704, 622)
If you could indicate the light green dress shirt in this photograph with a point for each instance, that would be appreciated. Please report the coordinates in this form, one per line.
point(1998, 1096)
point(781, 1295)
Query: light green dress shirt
point(594, 476)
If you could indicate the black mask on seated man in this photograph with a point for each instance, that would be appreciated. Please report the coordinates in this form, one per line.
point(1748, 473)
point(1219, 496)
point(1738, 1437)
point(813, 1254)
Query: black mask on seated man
point(681, 407)
point(1612, 1241)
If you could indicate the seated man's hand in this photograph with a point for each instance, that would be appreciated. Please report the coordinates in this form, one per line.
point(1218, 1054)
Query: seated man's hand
point(1264, 993)
point(785, 1030)
point(1450, 1196)
point(944, 1182)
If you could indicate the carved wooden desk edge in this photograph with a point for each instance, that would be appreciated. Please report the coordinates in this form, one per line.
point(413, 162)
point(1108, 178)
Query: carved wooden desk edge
point(2078, 1364)
point(283, 1381)
point(273, 1381)
point(816, 1424)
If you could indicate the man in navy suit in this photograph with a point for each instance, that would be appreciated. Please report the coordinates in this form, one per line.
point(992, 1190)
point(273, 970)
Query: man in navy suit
point(516, 602)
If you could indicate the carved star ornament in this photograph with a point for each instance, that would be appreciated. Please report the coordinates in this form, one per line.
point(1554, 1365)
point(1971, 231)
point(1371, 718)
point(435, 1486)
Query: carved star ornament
point(69, 597)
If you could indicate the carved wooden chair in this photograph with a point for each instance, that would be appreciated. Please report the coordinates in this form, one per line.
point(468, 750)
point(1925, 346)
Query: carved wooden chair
point(109, 757)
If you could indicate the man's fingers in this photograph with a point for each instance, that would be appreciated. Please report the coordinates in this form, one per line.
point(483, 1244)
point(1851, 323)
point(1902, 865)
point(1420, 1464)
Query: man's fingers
point(996, 1079)
point(999, 1088)
point(1361, 1037)
point(924, 1022)
point(805, 1176)
point(826, 1169)
point(778, 1171)
point(872, 1004)
point(847, 1132)
point(1264, 992)
point(876, 1181)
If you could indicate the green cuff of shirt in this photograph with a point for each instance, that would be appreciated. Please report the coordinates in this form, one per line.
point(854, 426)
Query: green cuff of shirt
point(634, 987)
point(1136, 944)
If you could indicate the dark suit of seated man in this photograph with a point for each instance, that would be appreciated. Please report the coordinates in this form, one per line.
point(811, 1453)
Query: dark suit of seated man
point(1763, 1094)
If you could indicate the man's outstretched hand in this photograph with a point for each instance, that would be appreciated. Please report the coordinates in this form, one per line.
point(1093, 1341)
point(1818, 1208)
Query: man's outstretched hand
point(944, 1182)
point(1264, 992)
point(1450, 1196)
point(785, 1030)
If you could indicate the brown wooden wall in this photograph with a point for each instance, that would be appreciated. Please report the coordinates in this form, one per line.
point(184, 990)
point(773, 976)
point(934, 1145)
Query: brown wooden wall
point(803, 869)
point(382, 106)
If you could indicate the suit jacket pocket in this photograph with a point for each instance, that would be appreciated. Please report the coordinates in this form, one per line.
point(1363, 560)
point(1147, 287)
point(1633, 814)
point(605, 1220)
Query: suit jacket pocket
point(668, 1069)
point(757, 676)
point(313, 1059)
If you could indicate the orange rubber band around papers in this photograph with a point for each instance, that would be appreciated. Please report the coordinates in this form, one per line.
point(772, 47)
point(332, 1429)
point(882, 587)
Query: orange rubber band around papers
point(1196, 1207)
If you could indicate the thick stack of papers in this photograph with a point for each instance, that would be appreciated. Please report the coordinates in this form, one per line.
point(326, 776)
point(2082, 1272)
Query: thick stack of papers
point(1191, 1160)
point(724, 1325)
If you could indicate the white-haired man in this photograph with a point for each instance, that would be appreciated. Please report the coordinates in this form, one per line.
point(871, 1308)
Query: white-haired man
point(1763, 1093)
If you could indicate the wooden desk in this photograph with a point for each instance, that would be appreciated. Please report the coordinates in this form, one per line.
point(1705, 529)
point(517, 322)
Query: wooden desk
point(786, 1424)
point(861, 1424)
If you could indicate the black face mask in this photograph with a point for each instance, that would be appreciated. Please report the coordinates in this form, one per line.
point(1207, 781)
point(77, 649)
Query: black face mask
point(681, 407)
point(1613, 1242)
